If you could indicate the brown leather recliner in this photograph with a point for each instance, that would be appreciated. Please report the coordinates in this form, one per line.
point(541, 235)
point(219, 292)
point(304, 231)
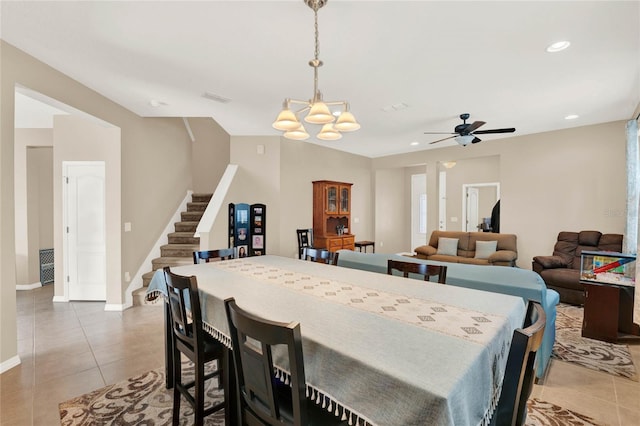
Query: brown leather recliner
point(561, 271)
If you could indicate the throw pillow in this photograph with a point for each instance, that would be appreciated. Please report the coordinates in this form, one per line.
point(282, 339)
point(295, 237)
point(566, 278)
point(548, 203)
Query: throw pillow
point(484, 249)
point(448, 246)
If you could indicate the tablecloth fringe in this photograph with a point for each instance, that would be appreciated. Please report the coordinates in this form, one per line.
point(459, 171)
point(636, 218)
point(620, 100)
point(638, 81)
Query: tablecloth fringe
point(217, 334)
point(153, 296)
point(486, 420)
point(322, 399)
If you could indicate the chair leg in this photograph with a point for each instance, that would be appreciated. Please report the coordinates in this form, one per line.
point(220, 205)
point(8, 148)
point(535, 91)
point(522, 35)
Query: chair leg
point(199, 393)
point(177, 378)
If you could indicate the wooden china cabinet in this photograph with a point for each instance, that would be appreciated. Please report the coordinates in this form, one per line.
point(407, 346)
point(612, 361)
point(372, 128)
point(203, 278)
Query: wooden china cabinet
point(332, 215)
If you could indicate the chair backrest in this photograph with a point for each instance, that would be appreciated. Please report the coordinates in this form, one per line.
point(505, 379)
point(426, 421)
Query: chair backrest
point(305, 239)
point(417, 268)
point(520, 371)
point(259, 391)
point(182, 292)
point(208, 255)
point(320, 255)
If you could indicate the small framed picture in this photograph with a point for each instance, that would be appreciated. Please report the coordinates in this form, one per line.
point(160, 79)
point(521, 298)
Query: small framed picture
point(258, 242)
point(243, 251)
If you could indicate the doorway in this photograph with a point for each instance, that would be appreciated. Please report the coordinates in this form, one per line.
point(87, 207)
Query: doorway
point(418, 210)
point(85, 229)
point(477, 201)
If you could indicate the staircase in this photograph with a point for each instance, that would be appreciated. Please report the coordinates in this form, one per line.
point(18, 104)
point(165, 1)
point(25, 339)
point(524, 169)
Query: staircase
point(182, 244)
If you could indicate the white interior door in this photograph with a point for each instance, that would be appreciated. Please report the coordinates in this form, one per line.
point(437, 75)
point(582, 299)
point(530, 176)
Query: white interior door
point(442, 201)
point(472, 209)
point(418, 210)
point(85, 242)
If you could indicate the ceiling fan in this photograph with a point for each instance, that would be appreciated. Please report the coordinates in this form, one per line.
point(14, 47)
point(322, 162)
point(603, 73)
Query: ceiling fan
point(465, 133)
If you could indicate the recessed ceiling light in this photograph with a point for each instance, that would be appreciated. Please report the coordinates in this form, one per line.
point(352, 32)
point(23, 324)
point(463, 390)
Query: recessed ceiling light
point(571, 117)
point(558, 46)
point(414, 143)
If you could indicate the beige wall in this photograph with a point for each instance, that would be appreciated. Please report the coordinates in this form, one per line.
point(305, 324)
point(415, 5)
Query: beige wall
point(568, 180)
point(209, 154)
point(391, 212)
point(40, 206)
point(76, 139)
point(156, 173)
point(301, 163)
point(27, 217)
point(470, 171)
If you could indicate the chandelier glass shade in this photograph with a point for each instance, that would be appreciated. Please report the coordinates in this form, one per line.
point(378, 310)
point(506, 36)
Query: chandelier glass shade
point(319, 111)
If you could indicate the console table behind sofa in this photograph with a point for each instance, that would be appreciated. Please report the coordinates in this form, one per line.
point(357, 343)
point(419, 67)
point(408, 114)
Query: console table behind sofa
point(514, 281)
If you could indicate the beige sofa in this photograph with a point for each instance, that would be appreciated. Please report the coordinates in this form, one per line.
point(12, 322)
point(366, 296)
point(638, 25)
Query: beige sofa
point(468, 250)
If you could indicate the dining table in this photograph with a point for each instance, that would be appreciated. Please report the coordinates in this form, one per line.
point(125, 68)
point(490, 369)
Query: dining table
point(378, 349)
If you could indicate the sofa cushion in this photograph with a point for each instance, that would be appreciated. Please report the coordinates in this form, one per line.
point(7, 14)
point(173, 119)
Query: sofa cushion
point(447, 246)
point(550, 262)
point(484, 249)
point(610, 242)
point(562, 277)
point(589, 238)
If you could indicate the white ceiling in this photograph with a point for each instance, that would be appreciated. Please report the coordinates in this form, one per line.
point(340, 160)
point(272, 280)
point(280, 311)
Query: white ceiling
point(440, 58)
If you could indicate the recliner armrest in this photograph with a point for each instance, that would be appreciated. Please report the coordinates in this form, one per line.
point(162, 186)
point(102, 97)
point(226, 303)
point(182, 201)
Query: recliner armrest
point(426, 250)
point(508, 256)
point(549, 262)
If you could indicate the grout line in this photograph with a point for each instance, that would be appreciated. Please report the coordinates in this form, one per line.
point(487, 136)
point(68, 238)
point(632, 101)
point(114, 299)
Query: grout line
point(93, 354)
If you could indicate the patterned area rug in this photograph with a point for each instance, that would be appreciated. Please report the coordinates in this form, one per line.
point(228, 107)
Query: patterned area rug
point(139, 400)
point(144, 400)
point(570, 346)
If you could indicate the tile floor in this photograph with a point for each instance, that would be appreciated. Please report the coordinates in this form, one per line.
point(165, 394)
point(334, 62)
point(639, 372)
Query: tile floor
point(68, 349)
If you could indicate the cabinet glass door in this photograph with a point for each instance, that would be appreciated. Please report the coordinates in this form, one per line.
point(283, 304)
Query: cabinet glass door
point(344, 199)
point(332, 199)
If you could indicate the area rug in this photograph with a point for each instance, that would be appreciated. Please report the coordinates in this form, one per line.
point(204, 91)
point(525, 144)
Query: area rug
point(571, 347)
point(139, 400)
point(144, 400)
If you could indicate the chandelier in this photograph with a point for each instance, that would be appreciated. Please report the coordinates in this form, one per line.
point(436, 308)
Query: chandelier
point(318, 109)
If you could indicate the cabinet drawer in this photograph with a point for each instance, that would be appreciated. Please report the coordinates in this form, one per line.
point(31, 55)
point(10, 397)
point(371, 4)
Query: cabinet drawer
point(334, 244)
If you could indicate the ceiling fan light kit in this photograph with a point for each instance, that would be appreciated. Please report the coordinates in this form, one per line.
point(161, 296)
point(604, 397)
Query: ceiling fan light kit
point(319, 111)
point(465, 133)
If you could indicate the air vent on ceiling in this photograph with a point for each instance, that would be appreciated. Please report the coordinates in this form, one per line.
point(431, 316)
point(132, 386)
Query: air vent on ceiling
point(217, 98)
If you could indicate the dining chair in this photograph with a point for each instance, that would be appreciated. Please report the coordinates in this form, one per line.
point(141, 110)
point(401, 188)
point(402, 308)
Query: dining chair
point(262, 398)
point(205, 256)
point(520, 371)
point(190, 339)
point(305, 239)
point(320, 255)
point(417, 268)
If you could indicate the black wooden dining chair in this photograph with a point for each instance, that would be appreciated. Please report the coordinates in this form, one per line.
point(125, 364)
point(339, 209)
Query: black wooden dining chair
point(520, 371)
point(190, 339)
point(423, 269)
point(264, 399)
point(305, 239)
point(320, 255)
point(205, 256)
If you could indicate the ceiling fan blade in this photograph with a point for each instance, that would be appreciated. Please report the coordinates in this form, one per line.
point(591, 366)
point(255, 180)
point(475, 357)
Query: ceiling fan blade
point(440, 140)
point(484, 132)
point(476, 140)
point(440, 133)
point(471, 127)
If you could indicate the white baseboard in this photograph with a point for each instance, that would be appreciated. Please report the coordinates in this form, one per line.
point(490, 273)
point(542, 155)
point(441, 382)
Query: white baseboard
point(114, 307)
point(60, 299)
point(9, 364)
point(23, 287)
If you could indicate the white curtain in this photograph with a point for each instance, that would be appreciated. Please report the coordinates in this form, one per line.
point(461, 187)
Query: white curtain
point(630, 244)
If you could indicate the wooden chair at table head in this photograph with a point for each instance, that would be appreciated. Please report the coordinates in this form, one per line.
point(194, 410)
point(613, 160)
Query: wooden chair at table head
point(190, 339)
point(417, 268)
point(262, 398)
point(520, 371)
point(209, 255)
point(305, 239)
point(320, 255)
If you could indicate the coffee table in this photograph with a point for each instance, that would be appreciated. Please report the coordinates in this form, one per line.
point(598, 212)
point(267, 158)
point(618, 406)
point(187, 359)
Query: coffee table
point(608, 312)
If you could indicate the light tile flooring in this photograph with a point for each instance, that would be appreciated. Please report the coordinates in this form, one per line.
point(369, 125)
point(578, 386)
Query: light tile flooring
point(68, 349)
